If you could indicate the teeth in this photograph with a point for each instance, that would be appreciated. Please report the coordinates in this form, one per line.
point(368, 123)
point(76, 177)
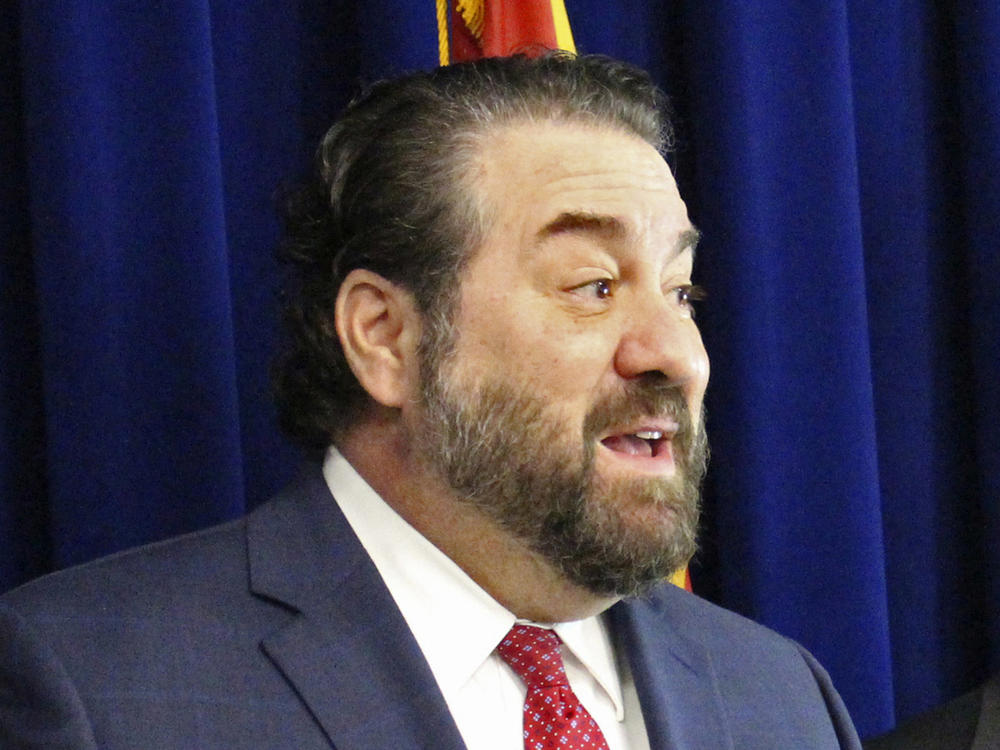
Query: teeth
point(649, 435)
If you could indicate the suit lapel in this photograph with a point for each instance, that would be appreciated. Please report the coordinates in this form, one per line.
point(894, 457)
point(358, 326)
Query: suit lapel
point(677, 686)
point(347, 652)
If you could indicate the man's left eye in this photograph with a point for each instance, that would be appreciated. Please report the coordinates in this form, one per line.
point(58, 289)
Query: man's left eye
point(688, 294)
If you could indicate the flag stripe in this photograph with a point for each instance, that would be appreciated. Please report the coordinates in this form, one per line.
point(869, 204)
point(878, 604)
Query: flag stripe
point(444, 56)
point(564, 34)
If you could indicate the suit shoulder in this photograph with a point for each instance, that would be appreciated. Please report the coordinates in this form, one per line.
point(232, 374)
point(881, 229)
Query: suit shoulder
point(773, 691)
point(739, 643)
point(712, 624)
point(128, 579)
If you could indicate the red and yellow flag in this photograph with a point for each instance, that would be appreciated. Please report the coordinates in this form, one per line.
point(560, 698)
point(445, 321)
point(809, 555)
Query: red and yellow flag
point(471, 29)
point(682, 578)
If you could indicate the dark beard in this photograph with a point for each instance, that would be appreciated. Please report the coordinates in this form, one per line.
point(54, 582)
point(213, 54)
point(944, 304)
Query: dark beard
point(504, 451)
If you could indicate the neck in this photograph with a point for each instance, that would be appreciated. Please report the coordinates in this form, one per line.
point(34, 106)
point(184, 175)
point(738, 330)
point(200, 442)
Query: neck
point(519, 579)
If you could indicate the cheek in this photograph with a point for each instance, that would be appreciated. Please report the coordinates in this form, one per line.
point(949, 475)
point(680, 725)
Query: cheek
point(572, 373)
point(483, 330)
point(520, 332)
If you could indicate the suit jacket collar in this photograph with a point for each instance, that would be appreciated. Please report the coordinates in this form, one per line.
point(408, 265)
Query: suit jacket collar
point(347, 651)
point(673, 674)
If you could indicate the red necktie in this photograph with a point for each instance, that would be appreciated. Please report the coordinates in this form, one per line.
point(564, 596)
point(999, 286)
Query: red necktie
point(553, 715)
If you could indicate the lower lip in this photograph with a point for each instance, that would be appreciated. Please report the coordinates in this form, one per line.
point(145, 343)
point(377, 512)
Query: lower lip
point(661, 464)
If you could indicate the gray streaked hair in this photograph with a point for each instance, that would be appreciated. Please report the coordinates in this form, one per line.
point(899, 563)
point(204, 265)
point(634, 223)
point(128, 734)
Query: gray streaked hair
point(392, 192)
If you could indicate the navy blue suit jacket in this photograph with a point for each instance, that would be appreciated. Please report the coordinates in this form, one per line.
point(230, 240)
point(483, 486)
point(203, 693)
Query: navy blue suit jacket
point(275, 631)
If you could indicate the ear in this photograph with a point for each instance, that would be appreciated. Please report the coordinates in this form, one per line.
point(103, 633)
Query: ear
point(379, 330)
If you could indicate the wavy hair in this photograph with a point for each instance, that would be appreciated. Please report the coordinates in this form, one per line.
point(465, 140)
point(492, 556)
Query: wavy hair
point(391, 192)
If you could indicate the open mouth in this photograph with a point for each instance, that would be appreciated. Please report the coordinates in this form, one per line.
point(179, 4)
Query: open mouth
point(644, 448)
point(643, 443)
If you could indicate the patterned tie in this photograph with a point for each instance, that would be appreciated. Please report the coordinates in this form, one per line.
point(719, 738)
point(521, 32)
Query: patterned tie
point(554, 718)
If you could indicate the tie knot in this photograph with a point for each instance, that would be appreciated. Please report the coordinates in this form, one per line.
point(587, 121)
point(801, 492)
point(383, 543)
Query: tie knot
point(534, 654)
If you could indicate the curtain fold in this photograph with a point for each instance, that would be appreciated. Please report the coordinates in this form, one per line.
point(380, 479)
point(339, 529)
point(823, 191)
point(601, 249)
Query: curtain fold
point(841, 159)
point(910, 156)
point(23, 512)
point(130, 251)
point(977, 27)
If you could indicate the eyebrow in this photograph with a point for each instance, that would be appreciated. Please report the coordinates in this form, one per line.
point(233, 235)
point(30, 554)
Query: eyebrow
point(611, 227)
point(688, 240)
point(583, 222)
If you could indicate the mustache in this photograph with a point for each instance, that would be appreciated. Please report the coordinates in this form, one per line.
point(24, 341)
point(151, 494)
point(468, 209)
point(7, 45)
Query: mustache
point(649, 396)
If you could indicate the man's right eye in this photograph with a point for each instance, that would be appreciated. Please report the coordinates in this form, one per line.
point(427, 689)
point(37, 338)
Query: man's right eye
point(597, 289)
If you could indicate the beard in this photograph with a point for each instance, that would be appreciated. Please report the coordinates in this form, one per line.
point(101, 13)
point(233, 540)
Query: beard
point(512, 456)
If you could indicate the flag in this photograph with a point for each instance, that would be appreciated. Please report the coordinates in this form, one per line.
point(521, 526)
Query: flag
point(682, 578)
point(495, 28)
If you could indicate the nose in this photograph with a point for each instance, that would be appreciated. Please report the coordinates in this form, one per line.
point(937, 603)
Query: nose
point(661, 337)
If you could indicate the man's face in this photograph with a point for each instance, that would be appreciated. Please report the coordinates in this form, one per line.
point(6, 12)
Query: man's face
point(567, 406)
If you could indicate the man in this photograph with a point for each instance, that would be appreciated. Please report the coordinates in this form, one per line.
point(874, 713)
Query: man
point(969, 722)
point(491, 327)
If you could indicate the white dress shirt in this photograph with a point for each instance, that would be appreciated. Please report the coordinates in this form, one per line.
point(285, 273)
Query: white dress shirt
point(458, 626)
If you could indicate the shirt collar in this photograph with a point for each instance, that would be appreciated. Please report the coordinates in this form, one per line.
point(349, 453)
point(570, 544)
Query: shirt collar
point(591, 643)
point(454, 621)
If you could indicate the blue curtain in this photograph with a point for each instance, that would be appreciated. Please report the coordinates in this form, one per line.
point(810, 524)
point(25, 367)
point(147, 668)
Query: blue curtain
point(842, 158)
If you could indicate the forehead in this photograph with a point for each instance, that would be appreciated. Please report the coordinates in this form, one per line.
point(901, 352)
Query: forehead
point(532, 173)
